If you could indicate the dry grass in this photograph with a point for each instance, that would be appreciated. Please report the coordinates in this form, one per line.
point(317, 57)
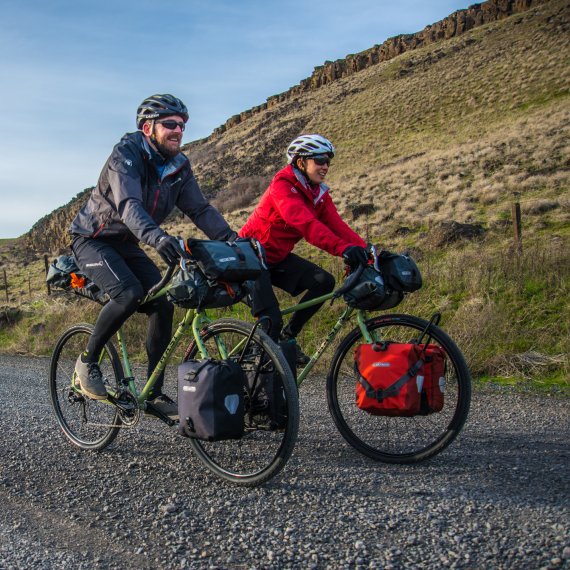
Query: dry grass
point(456, 131)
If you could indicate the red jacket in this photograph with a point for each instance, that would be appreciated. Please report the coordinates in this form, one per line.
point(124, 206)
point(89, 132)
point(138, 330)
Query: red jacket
point(291, 209)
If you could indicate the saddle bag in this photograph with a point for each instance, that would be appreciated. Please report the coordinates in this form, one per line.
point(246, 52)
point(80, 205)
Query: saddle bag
point(396, 379)
point(226, 261)
point(64, 273)
point(211, 399)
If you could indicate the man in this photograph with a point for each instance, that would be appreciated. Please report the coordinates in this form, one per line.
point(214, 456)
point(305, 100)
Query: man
point(145, 177)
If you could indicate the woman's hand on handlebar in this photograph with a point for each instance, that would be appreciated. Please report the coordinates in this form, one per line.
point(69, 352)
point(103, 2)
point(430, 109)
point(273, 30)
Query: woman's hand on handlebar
point(354, 256)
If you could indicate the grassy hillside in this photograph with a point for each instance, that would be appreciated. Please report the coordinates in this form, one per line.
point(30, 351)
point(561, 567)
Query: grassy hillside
point(456, 131)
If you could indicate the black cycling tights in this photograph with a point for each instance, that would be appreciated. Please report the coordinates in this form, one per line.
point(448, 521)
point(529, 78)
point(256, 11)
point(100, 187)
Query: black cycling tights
point(294, 275)
point(118, 310)
point(316, 283)
point(125, 272)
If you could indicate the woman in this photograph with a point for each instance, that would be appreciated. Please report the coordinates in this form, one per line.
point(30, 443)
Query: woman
point(296, 206)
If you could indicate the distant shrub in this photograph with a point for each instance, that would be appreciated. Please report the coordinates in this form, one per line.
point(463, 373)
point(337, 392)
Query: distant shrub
point(240, 193)
point(540, 207)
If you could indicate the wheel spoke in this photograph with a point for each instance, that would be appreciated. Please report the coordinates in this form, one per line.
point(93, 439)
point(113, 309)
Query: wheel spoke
point(89, 424)
point(263, 451)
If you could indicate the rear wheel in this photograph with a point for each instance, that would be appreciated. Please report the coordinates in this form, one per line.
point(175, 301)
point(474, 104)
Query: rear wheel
point(398, 439)
point(265, 447)
point(88, 424)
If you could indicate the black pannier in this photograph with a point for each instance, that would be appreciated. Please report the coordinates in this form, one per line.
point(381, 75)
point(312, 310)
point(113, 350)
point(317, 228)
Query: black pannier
point(191, 290)
point(211, 399)
point(226, 261)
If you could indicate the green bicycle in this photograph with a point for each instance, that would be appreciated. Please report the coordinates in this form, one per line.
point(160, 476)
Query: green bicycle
point(92, 425)
point(402, 440)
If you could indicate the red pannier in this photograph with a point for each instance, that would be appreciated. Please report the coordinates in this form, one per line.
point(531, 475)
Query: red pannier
point(395, 379)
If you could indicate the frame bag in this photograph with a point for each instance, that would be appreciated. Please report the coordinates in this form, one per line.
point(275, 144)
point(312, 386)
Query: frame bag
point(211, 399)
point(396, 379)
point(225, 261)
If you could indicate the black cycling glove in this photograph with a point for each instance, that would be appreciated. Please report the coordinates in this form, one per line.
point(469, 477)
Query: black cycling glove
point(355, 255)
point(169, 249)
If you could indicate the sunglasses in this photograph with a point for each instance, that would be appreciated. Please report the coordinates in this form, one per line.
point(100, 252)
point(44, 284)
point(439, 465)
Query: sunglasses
point(321, 160)
point(171, 124)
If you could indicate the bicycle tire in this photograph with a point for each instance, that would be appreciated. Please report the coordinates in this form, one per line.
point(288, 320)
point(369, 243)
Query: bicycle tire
point(246, 461)
point(89, 424)
point(402, 440)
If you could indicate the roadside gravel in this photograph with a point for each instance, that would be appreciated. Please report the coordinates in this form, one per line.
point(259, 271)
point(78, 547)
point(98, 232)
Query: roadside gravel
point(497, 498)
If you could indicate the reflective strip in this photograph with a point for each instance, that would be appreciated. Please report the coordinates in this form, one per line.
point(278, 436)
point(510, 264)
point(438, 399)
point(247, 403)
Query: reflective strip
point(107, 264)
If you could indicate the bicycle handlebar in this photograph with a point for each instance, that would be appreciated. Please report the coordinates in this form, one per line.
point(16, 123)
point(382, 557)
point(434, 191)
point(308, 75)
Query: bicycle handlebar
point(349, 283)
point(165, 279)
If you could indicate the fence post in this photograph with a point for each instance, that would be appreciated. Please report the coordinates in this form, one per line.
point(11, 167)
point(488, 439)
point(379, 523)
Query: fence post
point(47, 268)
point(517, 227)
point(6, 285)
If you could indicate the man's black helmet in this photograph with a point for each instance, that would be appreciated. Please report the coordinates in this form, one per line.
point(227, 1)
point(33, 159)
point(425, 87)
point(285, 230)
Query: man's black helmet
point(157, 106)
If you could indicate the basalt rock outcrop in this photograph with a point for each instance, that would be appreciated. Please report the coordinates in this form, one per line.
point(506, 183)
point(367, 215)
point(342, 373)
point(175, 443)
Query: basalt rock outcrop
point(454, 25)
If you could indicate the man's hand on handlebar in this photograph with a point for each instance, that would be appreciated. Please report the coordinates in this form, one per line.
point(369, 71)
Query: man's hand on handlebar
point(169, 249)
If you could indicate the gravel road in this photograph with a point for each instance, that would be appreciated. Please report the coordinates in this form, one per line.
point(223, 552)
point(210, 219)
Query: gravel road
point(497, 498)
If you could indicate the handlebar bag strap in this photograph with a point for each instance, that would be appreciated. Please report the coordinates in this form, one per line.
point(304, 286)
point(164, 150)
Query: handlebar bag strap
point(225, 261)
point(211, 399)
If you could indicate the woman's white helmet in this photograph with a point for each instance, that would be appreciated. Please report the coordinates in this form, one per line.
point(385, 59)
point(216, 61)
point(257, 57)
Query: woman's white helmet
point(309, 145)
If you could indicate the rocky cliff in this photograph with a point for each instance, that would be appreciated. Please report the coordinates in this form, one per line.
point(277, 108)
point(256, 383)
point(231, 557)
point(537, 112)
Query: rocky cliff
point(454, 25)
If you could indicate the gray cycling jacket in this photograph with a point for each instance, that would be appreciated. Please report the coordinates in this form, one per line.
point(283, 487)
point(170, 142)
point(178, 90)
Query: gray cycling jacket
point(131, 199)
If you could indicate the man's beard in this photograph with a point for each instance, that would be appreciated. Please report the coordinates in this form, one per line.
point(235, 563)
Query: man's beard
point(164, 150)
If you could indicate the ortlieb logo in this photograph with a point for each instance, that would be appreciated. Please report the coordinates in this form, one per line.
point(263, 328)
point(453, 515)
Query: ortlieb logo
point(189, 388)
point(225, 259)
point(381, 364)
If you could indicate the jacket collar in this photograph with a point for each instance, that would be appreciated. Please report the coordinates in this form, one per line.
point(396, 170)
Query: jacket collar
point(165, 167)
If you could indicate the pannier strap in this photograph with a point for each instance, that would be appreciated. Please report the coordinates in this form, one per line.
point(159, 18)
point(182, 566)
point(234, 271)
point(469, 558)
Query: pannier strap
point(394, 389)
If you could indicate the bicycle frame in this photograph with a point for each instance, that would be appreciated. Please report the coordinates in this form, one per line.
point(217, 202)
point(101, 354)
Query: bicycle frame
point(193, 319)
point(342, 320)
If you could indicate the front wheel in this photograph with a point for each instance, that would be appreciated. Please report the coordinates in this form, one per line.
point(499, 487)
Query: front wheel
point(88, 424)
point(398, 439)
point(265, 446)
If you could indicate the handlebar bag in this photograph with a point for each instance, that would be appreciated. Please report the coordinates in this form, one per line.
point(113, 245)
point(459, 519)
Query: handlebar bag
point(371, 293)
point(211, 399)
point(400, 271)
point(191, 290)
point(226, 261)
point(397, 379)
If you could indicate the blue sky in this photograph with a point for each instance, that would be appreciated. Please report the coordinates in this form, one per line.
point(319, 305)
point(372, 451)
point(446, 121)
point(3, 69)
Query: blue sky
point(73, 73)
